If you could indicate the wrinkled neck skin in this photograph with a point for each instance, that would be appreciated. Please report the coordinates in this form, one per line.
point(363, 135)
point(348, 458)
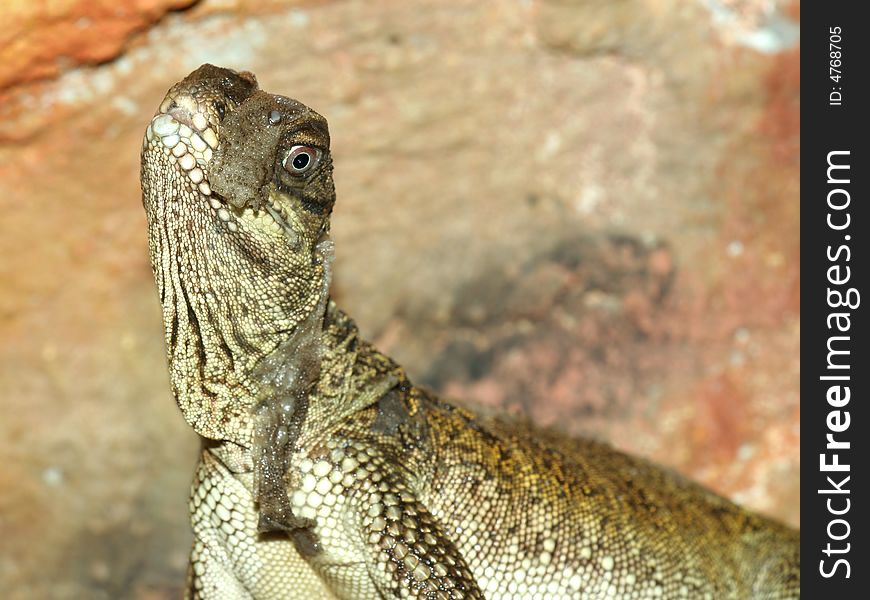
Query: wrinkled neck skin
point(256, 388)
point(287, 377)
point(247, 342)
point(225, 312)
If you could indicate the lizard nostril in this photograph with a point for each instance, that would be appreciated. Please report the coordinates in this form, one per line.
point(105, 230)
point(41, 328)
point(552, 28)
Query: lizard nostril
point(187, 110)
point(181, 115)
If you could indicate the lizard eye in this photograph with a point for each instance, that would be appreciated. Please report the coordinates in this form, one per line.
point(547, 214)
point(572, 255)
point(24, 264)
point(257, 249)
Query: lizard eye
point(300, 159)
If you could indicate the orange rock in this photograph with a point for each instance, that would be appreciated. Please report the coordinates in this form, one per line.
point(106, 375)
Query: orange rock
point(40, 39)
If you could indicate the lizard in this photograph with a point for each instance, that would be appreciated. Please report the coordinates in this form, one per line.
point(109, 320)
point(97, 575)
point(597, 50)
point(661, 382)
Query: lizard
point(324, 471)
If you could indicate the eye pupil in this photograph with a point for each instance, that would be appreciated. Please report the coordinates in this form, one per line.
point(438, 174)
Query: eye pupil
point(301, 160)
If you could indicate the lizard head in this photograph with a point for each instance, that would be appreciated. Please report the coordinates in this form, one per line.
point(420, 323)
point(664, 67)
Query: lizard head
point(238, 190)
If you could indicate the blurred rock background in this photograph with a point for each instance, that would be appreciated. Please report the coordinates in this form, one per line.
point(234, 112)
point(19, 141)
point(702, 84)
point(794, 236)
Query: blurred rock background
point(582, 211)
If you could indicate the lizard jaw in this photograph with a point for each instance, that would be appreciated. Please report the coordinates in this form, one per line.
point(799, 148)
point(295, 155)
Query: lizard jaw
point(189, 141)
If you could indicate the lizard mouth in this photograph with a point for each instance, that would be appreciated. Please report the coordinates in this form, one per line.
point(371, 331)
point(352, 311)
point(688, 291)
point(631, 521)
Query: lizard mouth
point(189, 138)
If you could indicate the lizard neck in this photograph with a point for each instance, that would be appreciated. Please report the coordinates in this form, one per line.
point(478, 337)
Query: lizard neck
point(319, 376)
point(353, 376)
point(224, 319)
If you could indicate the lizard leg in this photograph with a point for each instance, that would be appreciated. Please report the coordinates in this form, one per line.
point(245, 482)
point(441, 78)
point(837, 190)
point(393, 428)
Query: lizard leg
point(211, 572)
point(210, 576)
point(410, 553)
point(231, 560)
point(371, 524)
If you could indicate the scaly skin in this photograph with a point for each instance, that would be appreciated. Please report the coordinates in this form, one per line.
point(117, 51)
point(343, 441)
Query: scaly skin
point(324, 472)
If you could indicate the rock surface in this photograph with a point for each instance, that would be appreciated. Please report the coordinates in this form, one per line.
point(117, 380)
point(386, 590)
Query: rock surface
point(583, 212)
point(41, 39)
